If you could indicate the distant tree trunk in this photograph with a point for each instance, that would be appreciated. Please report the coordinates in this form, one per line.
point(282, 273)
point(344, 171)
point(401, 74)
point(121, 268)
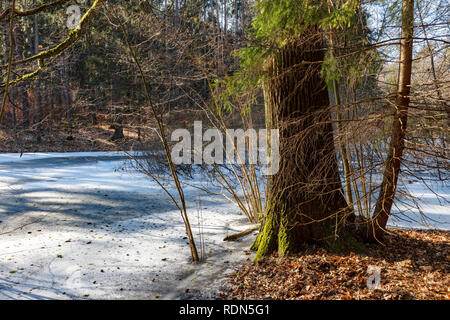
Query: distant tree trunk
point(397, 144)
point(12, 88)
point(38, 116)
point(25, 106)
point(51, 102)
point(67, 88)
point(37, 89)
point(13, 106)
point(225, 17)
point(305, 199)
point(219, 39)
point(236, 18)
point(22, 87)
point(243, 20)
point(60, 96)
point(177, 14)
point(28, 31)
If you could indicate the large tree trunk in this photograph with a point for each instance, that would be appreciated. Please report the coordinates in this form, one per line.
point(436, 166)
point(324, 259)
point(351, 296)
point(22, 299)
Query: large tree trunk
point(397, 144)
point(305, 199)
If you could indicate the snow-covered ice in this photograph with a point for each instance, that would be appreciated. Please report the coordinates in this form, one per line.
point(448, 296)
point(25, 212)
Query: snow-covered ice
point(75, 225)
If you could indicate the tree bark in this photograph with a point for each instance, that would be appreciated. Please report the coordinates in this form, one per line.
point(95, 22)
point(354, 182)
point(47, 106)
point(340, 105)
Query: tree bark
point(397, 144)
point(305, 199)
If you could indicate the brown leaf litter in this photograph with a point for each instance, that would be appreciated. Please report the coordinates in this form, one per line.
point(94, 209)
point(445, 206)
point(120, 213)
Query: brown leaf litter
point(414, 264)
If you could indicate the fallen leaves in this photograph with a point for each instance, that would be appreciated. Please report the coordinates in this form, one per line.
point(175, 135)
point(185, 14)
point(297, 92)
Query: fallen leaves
point(414, 265)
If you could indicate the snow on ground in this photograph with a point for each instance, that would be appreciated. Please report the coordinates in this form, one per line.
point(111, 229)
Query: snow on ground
point(433, 210)
point(14, 157)
point(77, 226)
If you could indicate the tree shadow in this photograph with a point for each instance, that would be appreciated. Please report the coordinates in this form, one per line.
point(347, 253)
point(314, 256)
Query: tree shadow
point(420, 248)
point(9, 290)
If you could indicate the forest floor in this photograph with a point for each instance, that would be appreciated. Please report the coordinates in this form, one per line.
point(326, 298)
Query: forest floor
point(82, 136)
point(414, 264)
point(92, 138)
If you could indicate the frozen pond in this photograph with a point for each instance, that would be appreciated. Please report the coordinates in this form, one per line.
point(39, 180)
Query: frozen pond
point(75, 225)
